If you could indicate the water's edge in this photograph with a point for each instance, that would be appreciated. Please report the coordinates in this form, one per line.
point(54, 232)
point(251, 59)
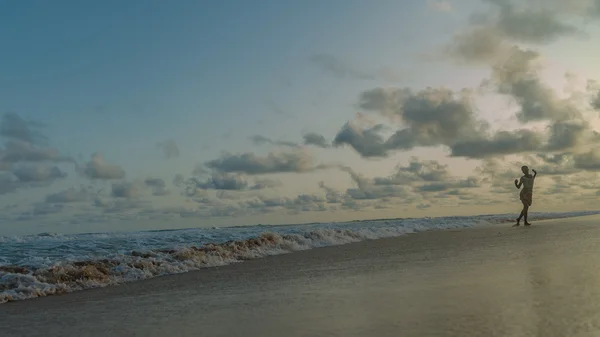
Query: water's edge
point(41, 265)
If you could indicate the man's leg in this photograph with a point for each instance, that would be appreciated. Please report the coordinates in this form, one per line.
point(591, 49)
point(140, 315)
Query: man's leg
point(520, 216)
point(525, 211)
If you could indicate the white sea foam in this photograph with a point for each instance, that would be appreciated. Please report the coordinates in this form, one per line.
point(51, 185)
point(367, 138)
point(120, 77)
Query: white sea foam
point(40, 265)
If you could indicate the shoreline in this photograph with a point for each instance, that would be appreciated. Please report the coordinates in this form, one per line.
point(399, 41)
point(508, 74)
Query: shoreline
point(422, 284)
point(240, 265)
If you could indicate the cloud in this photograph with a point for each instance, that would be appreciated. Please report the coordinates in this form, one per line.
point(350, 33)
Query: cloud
point(158, 186)
point(589, 160)
point(301, 203)
point(431, 117)
point(169, 148)
point(19, 151)
point(38, 174)
point(224, 181)
point(416, 170)
point(125, 189)
point(368, 141)
point(178, 180)
point(426, 176)
point(367, 190)
point(441, 117)
point(70, 195)
point(540, 25)
point(260, 184)
point(595, 102)
point(481, 45)
point(315, 139)
point(260, 140)
point(502, 143)
point(16, 128)
point(339, 69)
point(97, 168)
point(594, 91)
point(251, 164)
point(518, 78)
point(232, 182)
point(440, 5)
point(331, 195)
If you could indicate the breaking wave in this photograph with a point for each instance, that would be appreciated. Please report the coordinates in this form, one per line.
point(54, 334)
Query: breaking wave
point(50, 263)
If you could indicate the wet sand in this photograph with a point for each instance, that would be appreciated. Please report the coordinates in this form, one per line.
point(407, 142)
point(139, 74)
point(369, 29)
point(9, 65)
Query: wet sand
point(492, 281)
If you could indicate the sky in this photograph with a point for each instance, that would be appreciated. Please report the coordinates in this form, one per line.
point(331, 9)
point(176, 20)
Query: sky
point(152, 114)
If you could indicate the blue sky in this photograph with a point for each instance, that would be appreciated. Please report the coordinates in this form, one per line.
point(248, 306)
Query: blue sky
point(117, 78)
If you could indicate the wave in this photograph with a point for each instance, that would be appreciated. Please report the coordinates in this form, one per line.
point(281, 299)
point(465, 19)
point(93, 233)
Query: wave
point(29, 280)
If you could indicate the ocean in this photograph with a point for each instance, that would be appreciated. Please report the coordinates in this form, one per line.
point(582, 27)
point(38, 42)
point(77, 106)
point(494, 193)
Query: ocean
point(51, 263)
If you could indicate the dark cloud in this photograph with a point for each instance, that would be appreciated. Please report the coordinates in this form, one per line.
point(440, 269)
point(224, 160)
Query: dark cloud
point(430, 117)
point(489, 38)
point(158, 186)
point(251, 164)
point(440, 117)
point(260, 140)
point(416, 171)
point(169, 148)
point(426, 176)
point(19, 151)
point(595, 102)
point(594, 91)
point(569, 135)
point(331, 195)
point(368, 142)
point(518, 78)
point(97, 168)
point(71, 194)
point(125, 189)
point(38, 174)
point(367, 190)
point(502, 143)
point(231, 182)
point(260, 184)
point(223, 181)
point(178, 180)
point(589, 161)
point(14, 127)
point(315, 139)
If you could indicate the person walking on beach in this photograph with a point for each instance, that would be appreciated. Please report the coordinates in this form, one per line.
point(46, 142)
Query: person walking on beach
point(526, 194)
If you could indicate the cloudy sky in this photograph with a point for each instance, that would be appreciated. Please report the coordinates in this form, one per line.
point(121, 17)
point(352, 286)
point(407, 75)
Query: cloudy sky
point(151, 114)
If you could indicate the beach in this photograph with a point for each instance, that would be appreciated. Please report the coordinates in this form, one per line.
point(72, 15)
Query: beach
point(485, 281)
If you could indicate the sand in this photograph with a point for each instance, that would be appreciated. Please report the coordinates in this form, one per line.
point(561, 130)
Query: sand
point(492, 281)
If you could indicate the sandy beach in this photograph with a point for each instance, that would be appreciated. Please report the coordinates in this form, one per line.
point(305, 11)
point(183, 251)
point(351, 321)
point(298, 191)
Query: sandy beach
point(489, 281)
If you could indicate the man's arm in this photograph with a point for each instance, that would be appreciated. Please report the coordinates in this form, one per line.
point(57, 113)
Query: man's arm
point(519, 182)
point(534, 172)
